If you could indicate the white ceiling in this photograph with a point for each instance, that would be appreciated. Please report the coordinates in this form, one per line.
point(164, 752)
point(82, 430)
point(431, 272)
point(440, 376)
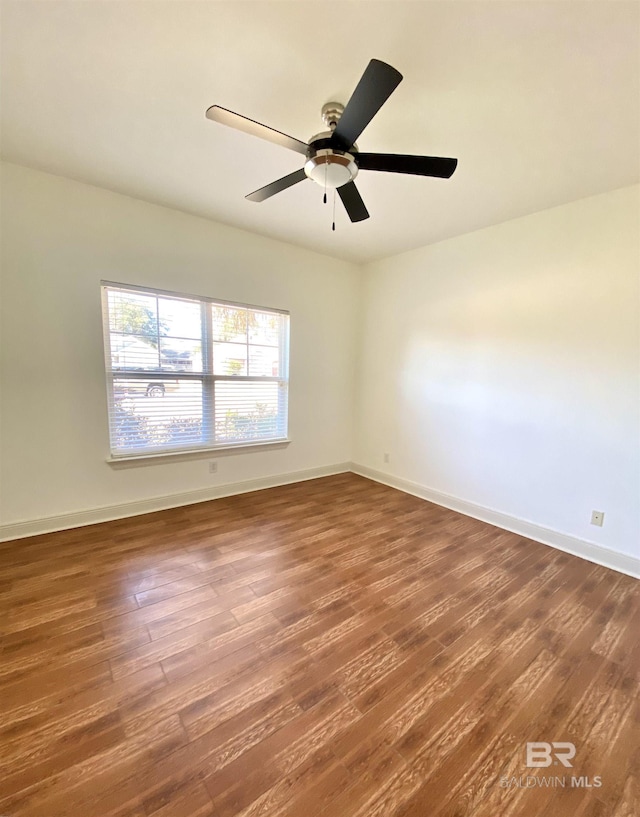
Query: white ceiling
point(539, 102)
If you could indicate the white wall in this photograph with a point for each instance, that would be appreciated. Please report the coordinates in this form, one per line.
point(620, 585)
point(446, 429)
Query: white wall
point(499, 368)
point(502, 368)
point(59, 239)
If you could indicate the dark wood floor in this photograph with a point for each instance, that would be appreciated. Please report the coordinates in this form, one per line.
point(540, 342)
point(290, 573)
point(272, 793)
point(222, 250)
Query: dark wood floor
point(327, 649)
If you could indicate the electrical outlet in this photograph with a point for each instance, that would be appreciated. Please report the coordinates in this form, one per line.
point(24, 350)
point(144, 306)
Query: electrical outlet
point(597, 518)
point(386, 458)
point(213, 467)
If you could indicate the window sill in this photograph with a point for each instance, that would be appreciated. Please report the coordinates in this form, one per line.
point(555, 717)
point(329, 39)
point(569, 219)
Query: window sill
point(197, 453)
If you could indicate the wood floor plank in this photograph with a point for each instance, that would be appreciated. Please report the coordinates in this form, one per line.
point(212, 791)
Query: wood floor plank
point(182, 800)
point(332, 647)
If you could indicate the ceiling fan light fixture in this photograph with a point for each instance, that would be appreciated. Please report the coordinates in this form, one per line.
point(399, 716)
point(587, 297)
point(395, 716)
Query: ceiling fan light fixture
point(330, 169)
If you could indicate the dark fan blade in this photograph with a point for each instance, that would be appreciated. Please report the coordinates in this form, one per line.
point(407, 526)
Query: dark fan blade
point(416, 165)
point(376, 86)
point(277, 186)
point(234, 120)
point(352, 201)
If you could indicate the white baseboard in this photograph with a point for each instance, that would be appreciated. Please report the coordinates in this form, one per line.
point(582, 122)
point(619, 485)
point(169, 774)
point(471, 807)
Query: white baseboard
point(19, 530)
point(621, 562)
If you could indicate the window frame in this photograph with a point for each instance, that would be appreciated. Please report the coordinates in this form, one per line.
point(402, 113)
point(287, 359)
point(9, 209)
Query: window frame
point(206, 376)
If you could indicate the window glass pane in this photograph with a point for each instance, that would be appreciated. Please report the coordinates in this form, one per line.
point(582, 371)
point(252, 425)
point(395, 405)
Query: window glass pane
point(152, 413)
point(180, 324)
point(229, 323)
point(133, 321)
point(180, 355)
point(179, 318)
point(264, 361)
point(264, 328)
point(133, 313)
point(247, 411)
point(230, 358)
point(133, 352)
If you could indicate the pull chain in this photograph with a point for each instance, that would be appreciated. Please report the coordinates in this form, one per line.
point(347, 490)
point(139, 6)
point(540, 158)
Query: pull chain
point(333, 226)
point(326, 165)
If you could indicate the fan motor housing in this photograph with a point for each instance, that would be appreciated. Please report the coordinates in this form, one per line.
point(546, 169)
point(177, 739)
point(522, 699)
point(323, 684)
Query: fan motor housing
point(328, 166)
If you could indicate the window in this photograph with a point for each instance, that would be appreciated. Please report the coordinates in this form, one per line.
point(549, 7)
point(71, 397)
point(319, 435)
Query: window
point(187, 373)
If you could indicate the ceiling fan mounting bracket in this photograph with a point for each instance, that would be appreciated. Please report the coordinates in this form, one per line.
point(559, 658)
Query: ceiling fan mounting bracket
point(331, 113)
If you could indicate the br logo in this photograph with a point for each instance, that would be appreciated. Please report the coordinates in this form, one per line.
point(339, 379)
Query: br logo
point(542, 754)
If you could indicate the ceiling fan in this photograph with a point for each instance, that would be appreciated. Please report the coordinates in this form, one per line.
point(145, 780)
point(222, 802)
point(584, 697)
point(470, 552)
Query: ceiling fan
point(332, 157)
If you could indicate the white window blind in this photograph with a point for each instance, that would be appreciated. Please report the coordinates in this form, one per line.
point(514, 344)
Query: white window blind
point(189, 373)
